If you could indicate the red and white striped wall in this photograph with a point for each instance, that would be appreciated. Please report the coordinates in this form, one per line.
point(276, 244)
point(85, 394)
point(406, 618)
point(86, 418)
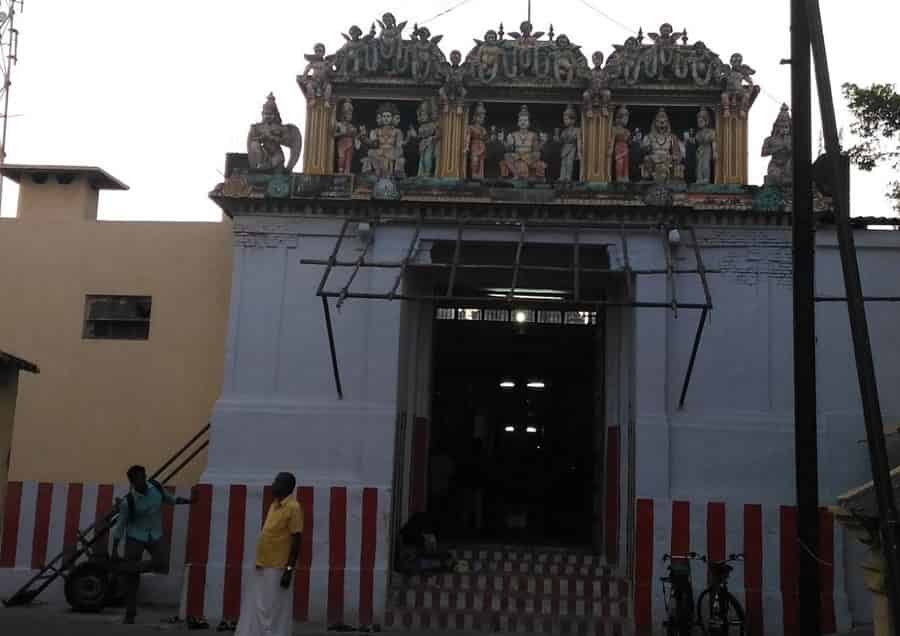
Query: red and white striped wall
point(343, 567)
point(765, 583)
point(41, 518)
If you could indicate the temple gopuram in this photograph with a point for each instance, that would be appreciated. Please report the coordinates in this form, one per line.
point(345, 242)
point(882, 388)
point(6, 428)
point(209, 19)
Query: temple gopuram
point(526, 301)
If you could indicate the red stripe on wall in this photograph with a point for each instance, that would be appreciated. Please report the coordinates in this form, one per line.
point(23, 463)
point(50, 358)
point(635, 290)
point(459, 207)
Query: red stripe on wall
point(419, 466)
point(681, 527)
point(104, 505)
point(199, 525)
point(73, 515)
point(367, 556)
point(643, 565)
point(612, 494)
point(41, 525)
point(12, 509)
point(826, 570)
point(267, 503)
point(337, 554)
point(789, 591)
point(234, 552)
point(301, 585)
point(753, 568)
point(715, 531)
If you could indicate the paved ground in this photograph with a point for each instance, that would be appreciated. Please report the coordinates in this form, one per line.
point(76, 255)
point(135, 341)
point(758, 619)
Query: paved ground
point(43, 620)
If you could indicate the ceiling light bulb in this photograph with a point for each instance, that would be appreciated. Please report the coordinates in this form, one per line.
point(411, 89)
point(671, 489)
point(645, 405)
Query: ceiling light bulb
point(536, 384)
point(520, 316)
point(531, 429)
point(507, 384)
point(510, 429)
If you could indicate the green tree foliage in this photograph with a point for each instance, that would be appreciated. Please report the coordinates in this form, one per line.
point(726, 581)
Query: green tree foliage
point(876, 110)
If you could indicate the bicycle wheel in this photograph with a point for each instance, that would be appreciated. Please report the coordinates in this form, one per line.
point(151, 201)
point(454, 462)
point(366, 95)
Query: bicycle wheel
point(720, 614)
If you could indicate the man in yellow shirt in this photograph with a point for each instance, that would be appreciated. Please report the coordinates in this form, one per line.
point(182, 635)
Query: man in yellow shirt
point(267, 608)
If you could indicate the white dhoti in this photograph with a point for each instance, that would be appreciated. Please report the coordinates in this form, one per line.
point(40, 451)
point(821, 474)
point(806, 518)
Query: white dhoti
point(267, 609)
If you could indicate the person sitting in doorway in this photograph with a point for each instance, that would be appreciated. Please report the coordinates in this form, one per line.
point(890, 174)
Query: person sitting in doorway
point(140, 524)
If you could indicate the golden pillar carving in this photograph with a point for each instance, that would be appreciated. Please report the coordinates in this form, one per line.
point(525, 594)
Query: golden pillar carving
point(318, 144)
point(731, 141)
point(451, 162)
point(595, 165)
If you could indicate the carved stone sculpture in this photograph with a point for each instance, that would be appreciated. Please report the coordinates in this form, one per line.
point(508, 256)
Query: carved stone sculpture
point(706, 150)
point(476, 142)
point(385, 145)
point(316, 77)
point(265, 139)
point(355, 56)
point(453, 91)
point(485, 57)
point(739, 88)
point(570, 145)
point(348, 138)
point(779, 147)
point(619, 146)
point(523, 151)
point(426, 56)
point(390, 40)
point(598, 95)
point(662, 162)
point(427, 135)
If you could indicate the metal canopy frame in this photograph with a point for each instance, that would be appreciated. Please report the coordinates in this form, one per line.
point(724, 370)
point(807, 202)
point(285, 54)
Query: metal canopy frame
point(515, 268)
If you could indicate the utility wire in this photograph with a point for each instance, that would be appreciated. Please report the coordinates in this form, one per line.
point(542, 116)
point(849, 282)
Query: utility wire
point(608, 17)
point(444, 12)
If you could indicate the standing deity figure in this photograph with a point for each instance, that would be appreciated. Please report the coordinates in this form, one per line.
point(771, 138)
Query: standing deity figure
point(619, 146)
point(316, 77)
point(428, 135)
point(348, 138)
point(705, 147)
point(779, 146)
point(739, 88)
point(385, 145)
point(663, 160)
point(265, 139)
point(598, 95)
point(476, 142)
point(523, 151)
point(454, 89)
point(570, 141)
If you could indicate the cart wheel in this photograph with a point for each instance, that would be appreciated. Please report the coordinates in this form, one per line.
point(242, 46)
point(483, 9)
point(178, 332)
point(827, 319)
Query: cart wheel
point(86, 588)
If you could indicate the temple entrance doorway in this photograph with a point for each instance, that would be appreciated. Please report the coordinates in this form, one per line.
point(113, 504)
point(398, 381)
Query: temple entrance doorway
point(517, 430)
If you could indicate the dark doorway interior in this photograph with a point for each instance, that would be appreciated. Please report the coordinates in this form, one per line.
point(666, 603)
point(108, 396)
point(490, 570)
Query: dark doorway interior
point(515, 463)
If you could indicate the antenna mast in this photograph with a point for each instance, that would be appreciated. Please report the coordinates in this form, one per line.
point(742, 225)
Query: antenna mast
point(9, 55)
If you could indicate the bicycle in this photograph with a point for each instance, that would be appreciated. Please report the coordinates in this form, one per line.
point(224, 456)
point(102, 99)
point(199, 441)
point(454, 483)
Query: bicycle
point(718, 611)
point(679, 598)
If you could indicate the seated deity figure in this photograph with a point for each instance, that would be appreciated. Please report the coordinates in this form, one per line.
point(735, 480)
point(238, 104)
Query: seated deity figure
point(663, 159)
point(265, 139)
point(523, 151)
point(385, 145)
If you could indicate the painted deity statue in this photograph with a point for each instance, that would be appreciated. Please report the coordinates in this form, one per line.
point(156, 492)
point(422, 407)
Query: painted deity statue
point(385, 145)
point(476, 142)
point(706, 150)
point(348, 138)
point(316, 77)
point(597, 96)
point(523, 151)
point(779, 146)
point(570, 141)
point(454, 89)
point(663, 160)
point(428, 135)
point(265, 139)
point(619, 149)
point(739, 88)
point(486, 58)
point(390, 40)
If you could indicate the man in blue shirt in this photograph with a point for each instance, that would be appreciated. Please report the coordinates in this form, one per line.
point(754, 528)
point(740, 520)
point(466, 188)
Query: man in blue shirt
point(140, 524)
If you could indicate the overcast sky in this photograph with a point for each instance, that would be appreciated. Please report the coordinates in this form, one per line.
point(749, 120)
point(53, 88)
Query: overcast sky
point(157, 93)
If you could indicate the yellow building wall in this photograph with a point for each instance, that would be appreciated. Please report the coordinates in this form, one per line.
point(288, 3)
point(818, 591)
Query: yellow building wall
point(99, 406)
point(9, 375)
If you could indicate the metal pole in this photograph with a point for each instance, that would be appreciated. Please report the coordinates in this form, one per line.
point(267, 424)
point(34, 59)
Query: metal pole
point(805, 429)
point(334, 361)
point(11, 58)
point(856, 308)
